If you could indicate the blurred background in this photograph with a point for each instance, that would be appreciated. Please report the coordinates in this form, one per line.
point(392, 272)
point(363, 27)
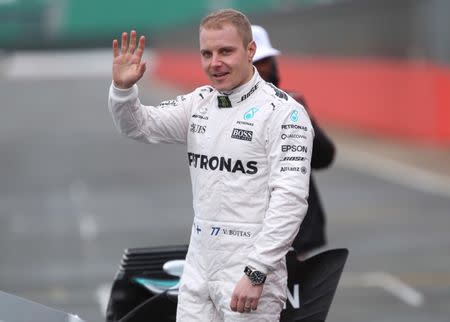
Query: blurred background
point(74, 193)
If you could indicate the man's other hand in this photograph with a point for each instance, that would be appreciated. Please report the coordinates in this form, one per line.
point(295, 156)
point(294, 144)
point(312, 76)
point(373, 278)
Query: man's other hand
point(245, 296)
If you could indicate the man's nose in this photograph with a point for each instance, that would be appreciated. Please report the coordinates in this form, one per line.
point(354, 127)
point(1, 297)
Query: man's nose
point(216, 60)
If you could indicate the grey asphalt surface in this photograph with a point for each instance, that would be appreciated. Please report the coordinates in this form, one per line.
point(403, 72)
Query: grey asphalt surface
point(74, 194)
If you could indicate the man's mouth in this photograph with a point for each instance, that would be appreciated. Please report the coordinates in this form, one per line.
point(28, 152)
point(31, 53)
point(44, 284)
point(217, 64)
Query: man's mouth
point(220, 75)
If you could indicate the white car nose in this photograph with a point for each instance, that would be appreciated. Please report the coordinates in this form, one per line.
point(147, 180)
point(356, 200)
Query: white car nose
point(174, 267)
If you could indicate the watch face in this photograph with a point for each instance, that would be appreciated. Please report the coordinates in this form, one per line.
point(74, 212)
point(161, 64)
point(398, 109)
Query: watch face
point(257, 277)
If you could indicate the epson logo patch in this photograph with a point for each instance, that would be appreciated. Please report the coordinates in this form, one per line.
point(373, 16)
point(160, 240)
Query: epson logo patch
point(294, 148)
point(242, 134)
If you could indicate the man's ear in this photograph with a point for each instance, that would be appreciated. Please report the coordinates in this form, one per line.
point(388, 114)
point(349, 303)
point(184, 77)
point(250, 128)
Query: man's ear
point(251, 50)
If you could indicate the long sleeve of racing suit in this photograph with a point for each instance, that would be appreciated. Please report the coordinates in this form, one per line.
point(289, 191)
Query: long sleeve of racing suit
point(288, 187)
point(149, 124)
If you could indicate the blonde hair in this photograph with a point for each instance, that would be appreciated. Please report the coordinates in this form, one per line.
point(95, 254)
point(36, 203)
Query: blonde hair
point(216, 20)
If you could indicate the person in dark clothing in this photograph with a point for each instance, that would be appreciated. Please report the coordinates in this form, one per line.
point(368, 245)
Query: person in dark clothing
point(312, 234)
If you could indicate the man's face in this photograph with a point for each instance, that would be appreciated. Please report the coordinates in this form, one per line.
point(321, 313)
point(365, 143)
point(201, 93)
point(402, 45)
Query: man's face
point(224, 58)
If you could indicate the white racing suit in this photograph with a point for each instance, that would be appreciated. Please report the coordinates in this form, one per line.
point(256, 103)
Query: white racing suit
point(249, 154)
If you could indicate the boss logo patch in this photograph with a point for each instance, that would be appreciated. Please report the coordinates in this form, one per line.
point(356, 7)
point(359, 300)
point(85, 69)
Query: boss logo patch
point(240, 134)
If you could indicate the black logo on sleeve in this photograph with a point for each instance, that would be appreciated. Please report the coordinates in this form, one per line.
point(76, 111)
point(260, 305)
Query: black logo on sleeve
point(250, 92)
point(195, 128)
point(168, 103)
point(279, 92)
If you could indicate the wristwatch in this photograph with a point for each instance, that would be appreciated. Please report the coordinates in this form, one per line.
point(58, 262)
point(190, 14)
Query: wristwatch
point(256, 277)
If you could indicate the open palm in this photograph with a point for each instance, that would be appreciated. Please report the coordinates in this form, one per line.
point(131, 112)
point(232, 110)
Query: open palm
point(128, 66)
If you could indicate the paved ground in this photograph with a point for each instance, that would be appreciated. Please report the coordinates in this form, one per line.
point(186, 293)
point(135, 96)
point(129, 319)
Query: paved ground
point(429, 164)
point(74, 194)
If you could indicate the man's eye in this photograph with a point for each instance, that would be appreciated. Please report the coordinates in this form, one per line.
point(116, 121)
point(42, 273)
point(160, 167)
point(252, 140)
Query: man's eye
point(206, 55)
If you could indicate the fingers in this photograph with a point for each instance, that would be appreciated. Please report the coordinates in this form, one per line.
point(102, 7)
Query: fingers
point(141, 47)
point(244, 304)
point(247, 306)
point(124, 45)
point(115, 46)
point(254, 304)
point(132, 41)
point(233, 303)
point(142, 68)
point(124, 48)
point(241, 304)
point(245, 297)
point(250, 305)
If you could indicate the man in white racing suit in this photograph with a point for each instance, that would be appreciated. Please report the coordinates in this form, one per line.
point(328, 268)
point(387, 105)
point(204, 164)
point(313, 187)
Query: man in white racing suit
point(249, 149)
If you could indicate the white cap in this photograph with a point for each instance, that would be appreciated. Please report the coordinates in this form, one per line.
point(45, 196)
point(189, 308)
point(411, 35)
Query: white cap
point(264, 48)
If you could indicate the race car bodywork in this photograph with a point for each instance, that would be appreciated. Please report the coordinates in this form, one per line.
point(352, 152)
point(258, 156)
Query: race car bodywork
point(146, 285)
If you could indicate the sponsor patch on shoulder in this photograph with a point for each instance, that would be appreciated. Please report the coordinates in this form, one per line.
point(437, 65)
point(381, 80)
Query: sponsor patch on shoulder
point(278, 92)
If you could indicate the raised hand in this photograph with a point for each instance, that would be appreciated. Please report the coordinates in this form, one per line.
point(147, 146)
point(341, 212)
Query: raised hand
point(128, 66)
